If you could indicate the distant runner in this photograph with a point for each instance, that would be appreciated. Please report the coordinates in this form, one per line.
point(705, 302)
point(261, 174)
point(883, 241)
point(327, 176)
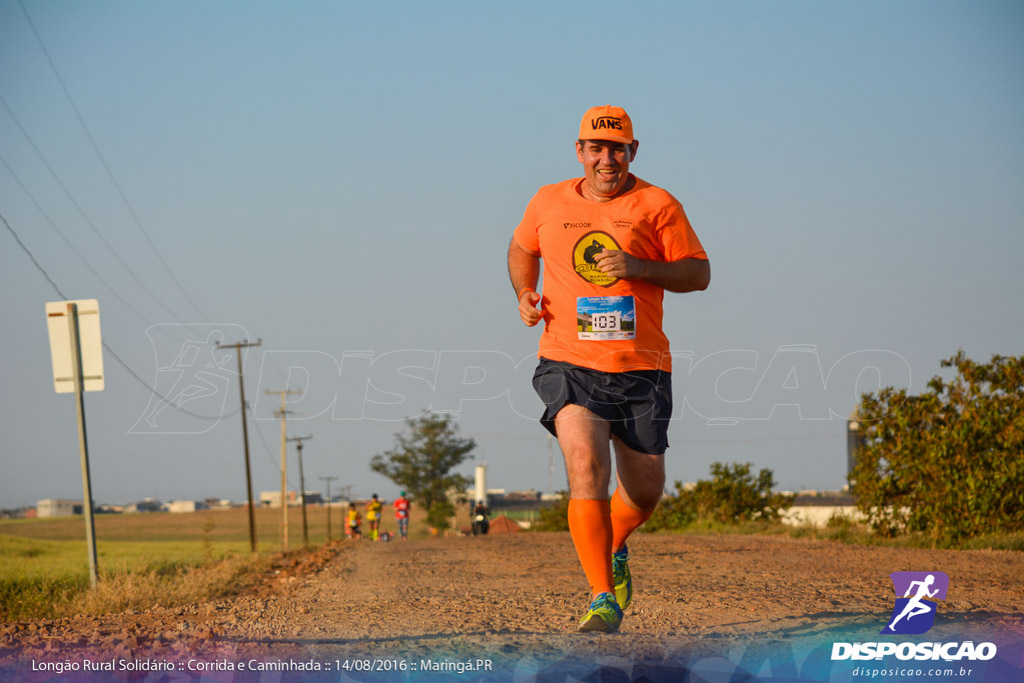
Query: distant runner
point(352, 522)
point(373, 509)
point(611, 245)
point(402, 507)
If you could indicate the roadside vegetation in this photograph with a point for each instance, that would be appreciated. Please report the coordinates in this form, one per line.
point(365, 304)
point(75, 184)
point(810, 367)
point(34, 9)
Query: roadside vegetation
point(944, 469)
point(50, 578)
point(732, 496)
point(846, 530)
point(734, 501)
point(947, 464)
point(148, 559)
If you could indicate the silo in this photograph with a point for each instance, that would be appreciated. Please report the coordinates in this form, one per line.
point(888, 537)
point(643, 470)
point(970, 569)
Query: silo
point(481, 483)
point(854, 441)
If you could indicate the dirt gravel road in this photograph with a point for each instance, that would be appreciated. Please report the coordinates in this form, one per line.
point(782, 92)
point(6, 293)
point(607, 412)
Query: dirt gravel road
point(511, 602)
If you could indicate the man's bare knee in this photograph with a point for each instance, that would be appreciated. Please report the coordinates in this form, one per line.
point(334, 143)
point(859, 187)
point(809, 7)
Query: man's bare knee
point(587, 477)
point(647, 500)
point(583, 438)
point(641, 476)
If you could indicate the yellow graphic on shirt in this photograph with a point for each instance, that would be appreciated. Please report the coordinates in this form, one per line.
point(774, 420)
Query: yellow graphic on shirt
point(583, 261)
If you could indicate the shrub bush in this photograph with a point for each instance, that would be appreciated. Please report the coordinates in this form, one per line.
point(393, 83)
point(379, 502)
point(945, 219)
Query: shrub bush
point(949, 462)
point(733, 495)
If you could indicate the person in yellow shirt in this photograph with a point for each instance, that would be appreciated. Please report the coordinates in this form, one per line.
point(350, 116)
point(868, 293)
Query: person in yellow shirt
point(373, 515)
point(352, 522)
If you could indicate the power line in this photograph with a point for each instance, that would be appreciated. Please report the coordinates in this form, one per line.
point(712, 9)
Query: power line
point(113, 353)
point(266, 446)
point(85, 261)
point(106, 166)
point(274, 370)
point(34, 261)
point(85, 216)
point(157, 393)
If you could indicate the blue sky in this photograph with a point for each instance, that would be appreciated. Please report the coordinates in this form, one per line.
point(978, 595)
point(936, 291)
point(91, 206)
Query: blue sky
point(342, 179)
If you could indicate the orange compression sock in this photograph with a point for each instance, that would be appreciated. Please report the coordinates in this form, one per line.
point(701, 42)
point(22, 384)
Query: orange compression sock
point(590, 525)
point(625, 519)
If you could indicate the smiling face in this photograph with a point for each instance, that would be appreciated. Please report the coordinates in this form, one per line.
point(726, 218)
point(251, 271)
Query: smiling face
point(605, 167)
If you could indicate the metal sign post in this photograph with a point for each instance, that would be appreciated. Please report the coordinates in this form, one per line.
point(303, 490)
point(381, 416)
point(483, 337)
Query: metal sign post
point(71, 355)
point(83, 443)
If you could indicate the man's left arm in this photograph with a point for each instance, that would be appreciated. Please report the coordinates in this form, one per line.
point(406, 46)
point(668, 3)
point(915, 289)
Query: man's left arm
point(684, 275)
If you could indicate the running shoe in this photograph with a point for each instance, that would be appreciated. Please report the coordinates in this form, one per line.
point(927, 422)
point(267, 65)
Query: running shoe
point(604, 615)
point(621, 578)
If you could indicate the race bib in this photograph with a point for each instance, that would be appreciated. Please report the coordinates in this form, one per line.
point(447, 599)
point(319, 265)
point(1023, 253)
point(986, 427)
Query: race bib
point(605, 318)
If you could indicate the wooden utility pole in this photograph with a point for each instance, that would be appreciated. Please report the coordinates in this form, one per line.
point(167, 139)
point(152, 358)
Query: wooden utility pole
point(302, 486)
point(328, 480)
point(245, 435)
point(283, 414)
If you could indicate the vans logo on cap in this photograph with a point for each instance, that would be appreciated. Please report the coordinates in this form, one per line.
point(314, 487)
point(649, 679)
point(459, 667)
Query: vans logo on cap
point(612, 122)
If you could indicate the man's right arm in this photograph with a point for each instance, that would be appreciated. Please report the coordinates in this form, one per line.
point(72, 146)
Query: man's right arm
point(524, 272)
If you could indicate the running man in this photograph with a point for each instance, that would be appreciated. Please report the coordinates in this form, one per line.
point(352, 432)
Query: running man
point(373, 509)
point(611, 244)
point(915, 606)
point(402, 507)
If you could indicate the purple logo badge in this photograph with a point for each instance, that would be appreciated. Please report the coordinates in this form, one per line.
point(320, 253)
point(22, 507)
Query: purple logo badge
point(917, 594)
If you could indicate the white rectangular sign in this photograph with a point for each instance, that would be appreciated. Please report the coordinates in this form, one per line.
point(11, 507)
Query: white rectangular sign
point(60, 345)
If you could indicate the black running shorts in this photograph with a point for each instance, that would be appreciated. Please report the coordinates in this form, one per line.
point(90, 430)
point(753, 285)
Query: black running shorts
point(637, 404)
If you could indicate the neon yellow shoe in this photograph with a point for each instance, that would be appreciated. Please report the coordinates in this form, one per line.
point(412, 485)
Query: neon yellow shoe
point(604, 615)
point(621, 578)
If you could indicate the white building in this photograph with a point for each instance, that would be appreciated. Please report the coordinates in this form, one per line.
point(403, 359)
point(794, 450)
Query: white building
point(180, 506)
point(147, 505)
point(53, 507)
point(272, 499)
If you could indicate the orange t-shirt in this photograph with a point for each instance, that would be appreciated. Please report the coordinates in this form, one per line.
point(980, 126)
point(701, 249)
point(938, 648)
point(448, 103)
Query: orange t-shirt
point(591, 319)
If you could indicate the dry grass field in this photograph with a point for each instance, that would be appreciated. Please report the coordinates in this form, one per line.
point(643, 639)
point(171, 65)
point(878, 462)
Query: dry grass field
point(148, 558)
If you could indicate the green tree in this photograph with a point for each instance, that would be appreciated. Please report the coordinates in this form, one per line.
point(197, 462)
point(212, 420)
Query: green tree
point(439, 513)
point(732, 495)
point(735, 495)
point(421, 463)
point(948, 462)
